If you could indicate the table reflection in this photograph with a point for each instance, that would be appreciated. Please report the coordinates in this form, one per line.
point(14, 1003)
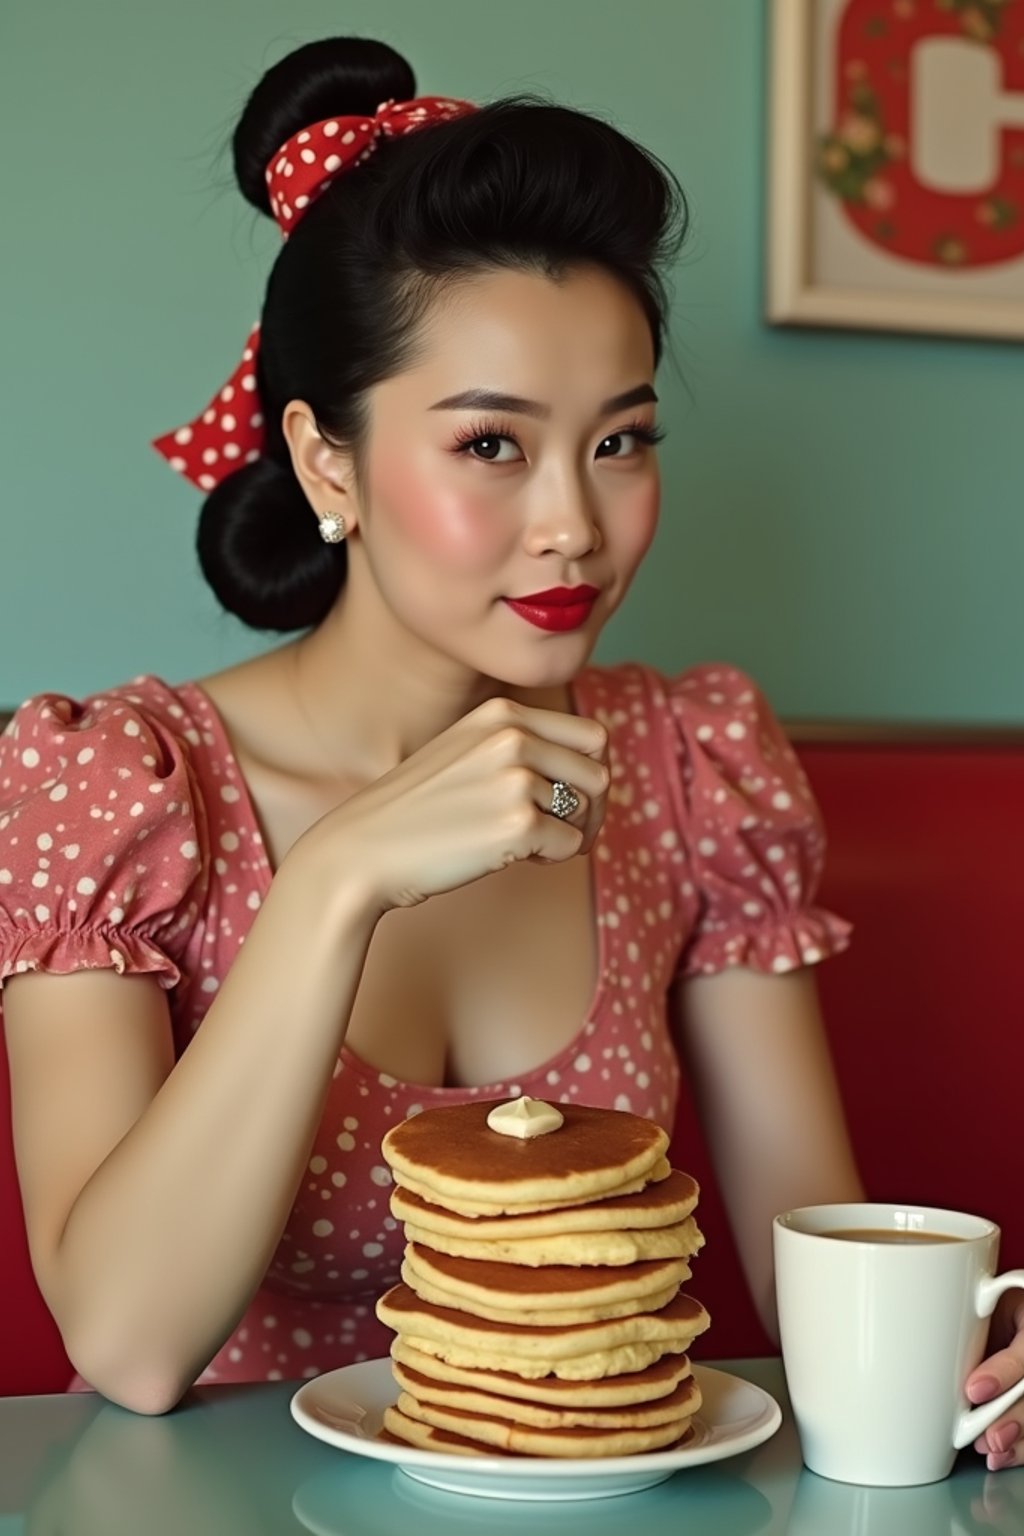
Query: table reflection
point(954, 1507)
point(357, 1501)
point(200, 1469)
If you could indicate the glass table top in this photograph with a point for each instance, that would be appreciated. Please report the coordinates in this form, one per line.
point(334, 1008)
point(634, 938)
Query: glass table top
point(230, 1461)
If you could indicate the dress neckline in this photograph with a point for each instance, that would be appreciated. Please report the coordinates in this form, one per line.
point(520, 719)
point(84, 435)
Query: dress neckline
point(244, 812)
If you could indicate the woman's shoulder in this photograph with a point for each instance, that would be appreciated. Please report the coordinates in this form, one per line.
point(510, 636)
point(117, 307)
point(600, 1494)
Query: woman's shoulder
point(712, 693)
point(144, 696)
point(741, 807)
point(160, 717)
point(117, 757)
point(711, 724)
point(101, 832)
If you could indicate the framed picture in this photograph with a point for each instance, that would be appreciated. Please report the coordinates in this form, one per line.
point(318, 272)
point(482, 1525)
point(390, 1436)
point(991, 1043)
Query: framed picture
point(896, 175)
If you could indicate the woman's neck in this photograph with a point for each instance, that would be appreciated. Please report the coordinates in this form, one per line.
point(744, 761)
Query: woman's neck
point(371, 694)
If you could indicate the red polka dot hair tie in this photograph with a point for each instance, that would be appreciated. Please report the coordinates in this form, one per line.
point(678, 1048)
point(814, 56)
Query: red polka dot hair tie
point(230, 432)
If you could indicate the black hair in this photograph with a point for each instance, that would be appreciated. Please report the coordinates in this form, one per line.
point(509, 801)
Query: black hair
point(522, 183)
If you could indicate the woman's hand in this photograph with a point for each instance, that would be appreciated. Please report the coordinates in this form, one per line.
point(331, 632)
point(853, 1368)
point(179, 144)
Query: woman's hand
point(1003, 1442)
point(473, 800)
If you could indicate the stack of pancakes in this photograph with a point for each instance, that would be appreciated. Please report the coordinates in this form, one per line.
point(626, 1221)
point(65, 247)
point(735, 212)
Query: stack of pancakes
point(540, 1310)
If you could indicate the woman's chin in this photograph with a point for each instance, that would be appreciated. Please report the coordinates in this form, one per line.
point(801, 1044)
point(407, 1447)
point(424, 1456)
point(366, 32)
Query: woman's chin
point(547, 666)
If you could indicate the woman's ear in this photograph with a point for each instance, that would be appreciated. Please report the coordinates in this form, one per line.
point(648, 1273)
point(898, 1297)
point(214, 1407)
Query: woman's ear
point(326, 474)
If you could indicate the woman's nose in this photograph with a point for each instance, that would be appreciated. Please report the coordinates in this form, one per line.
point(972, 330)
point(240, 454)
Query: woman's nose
point(567, 524)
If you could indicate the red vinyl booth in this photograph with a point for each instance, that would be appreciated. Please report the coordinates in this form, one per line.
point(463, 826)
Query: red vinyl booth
point(925, 1012)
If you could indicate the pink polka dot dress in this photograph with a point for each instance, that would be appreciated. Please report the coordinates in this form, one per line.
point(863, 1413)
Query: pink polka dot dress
point(128, 842)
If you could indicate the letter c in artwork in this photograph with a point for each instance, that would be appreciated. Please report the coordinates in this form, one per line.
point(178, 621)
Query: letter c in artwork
point(925, 154)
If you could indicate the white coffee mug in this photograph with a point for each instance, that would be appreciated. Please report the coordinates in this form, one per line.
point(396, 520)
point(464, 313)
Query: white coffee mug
point(879, 1333)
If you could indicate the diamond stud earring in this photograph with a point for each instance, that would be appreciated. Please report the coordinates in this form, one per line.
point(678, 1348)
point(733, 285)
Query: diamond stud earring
point(332, 528)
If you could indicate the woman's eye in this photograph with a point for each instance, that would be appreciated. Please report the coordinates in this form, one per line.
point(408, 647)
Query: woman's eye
point(618, 445)
point(494, 449)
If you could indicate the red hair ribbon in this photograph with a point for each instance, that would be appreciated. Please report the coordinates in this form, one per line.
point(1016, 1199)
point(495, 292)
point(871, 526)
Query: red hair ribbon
point(229, 432)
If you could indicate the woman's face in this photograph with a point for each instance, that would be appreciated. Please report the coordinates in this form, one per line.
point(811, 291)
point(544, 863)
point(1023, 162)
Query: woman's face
point(510, 462)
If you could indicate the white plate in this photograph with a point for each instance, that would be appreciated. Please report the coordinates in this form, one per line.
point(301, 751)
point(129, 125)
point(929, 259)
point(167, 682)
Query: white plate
point(346, 1408)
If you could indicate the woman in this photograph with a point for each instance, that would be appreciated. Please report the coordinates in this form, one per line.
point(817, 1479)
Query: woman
point(461, 861)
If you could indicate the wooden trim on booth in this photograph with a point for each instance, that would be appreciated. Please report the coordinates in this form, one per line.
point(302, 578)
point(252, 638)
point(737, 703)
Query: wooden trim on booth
point(875, 733)
point(903, 733)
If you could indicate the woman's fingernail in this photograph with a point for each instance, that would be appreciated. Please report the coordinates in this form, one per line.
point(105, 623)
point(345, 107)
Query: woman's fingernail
point(981, 1390)
point(1004, 1438)
point(995, 1462)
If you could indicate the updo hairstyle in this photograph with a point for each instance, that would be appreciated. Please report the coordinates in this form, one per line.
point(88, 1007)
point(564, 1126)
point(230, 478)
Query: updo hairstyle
point(519, 184)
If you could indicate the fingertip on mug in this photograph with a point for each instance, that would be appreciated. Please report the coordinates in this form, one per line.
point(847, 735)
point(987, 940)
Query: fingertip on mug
point(998, 1461)
point(982, 1389)
point(1003, 1438)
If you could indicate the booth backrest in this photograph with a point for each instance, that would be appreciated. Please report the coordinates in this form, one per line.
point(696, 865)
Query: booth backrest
point(925, 1012)
point(32, 1357)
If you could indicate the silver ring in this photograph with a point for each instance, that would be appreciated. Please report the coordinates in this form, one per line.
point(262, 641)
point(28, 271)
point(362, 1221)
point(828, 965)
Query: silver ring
point(564, 800)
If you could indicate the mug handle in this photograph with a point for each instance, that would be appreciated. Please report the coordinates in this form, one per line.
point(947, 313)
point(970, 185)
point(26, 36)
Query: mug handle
point(974, 1421)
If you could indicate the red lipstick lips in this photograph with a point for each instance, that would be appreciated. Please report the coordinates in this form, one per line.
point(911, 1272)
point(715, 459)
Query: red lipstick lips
point(559, 609)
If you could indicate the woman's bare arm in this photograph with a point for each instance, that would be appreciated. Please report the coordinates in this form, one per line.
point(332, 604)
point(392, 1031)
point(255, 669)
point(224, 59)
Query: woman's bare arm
point(155, 1194)
point(755, 1050)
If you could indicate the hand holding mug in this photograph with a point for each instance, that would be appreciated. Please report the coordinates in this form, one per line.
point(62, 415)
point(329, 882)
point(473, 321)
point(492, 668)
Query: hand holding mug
point(883, 1312)
point(1002, 1443)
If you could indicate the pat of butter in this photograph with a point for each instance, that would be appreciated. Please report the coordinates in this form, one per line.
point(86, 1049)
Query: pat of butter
point(525, 1118)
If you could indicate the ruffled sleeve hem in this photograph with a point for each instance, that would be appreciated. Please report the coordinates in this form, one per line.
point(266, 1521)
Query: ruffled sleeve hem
point(754, 836)
point(104, 948)
point(785, 943)
point(104, 847)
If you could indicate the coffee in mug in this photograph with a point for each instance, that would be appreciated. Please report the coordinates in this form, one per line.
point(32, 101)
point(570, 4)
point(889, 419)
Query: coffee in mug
point(897, 1235)
point(883, 1315)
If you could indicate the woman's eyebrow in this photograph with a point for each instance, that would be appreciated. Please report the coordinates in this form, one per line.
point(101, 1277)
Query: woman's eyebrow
point(492, 400)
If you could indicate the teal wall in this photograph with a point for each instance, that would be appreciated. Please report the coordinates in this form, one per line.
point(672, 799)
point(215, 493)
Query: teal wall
point(843, 514)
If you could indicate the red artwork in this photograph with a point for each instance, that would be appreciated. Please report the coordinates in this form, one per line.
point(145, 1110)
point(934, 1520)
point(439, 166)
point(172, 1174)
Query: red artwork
point(866, 159)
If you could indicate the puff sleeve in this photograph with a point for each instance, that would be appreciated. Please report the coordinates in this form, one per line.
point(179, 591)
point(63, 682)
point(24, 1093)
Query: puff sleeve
point(100, 840)
point(755, 837)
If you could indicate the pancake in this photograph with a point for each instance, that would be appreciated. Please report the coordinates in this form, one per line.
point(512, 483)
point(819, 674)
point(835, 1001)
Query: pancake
point(684, 1400)
point(590, 1367)
point(551, 1317)
point(525, 1439)
point(403, 1431)
point(450, 1156)
point(576, 1351)
point(644, 1386)
point(398, 1430)
point(664, 1203)
point(478, 1283)
point(609, 1248)
point(661, 1170)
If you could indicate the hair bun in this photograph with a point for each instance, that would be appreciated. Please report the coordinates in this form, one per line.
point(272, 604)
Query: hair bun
point(260, 552)
point(347, 76)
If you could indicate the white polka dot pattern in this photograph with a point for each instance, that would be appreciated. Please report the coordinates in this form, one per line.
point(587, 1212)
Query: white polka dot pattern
point(305, 166)
point(709, 857)
point(756, 839)
point(107, 790)
point(229, 433)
